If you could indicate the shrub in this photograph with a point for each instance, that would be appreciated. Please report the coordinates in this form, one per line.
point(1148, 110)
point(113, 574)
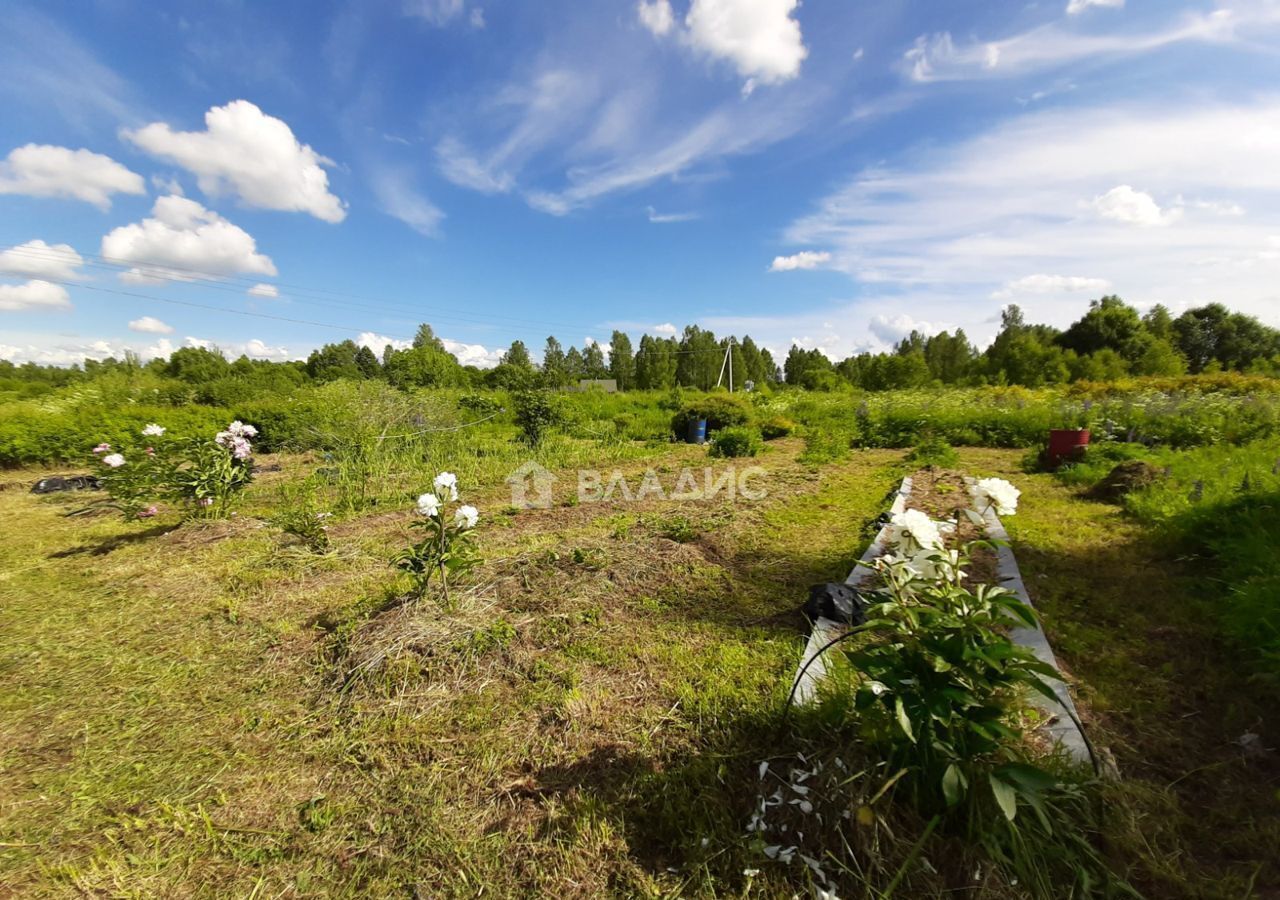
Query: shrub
point(208, 475)
point(933, 451)
point(536, 414)
point(776, 427)
point(203, 474)
point(735, 441)
point(480, 404)
point(823, 446)
point(720, 411)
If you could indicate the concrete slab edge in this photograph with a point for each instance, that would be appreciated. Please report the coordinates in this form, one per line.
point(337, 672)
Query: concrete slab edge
point(1059, 726)
point(1060, 718)
point(813, 667)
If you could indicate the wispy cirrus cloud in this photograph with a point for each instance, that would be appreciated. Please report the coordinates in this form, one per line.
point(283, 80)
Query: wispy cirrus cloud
point(939, 57)
point(398, 195)
point(670, 218)
point(952, 233)
point(82, 89)
point(582, 121)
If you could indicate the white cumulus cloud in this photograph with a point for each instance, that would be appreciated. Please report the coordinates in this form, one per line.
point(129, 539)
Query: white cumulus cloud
point(39, 170)
point(1124, 204)
point(666, 328)
point(467, 354)
point(892, 329)
point(656, 15)
point(759, 37)
point(377, 342)
point(270, 291)
point(34, 295)
point(36, 259)
point(182, 235)
point(473, 354)
point(256, 349)
point(246, 152)
point(150, 325)
point(805, 259)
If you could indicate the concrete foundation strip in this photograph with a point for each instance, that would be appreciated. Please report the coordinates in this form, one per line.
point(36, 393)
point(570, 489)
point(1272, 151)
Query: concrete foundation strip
point(1061, 728)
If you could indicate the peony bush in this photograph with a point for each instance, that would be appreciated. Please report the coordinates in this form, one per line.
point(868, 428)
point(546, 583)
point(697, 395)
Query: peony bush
point(201, 476)
point(446, 546)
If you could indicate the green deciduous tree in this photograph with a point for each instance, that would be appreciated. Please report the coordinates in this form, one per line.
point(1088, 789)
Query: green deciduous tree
point(593, 365)
point(622, 362)
point(554, 373)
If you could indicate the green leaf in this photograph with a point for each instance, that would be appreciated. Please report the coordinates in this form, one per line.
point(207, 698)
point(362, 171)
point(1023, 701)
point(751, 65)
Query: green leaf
point(1023, 612)
point(1039, 686)
point(953, 784)
point(1031, 778)
point(904, 721)
point(1005, 796)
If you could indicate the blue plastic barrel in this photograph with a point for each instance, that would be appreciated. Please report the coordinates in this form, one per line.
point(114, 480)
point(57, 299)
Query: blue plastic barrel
point(697, 432)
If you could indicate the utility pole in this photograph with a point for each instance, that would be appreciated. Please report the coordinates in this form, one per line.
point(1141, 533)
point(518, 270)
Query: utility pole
point(727, 362)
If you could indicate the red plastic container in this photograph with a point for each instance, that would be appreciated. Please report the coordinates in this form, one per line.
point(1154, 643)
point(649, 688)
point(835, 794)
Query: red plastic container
point(1066, 444)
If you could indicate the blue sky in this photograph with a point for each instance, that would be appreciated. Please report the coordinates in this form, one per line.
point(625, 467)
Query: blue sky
point(269, 177)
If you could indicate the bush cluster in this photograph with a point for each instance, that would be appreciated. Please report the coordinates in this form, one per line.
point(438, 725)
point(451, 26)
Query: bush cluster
point(736, 441)
point(720, 410)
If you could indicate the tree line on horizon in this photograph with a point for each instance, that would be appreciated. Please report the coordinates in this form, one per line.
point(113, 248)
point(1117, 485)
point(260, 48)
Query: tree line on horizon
point(1110, 341)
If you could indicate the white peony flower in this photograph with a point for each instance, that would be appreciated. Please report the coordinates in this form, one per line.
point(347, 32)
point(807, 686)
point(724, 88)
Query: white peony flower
point(428, 505)
point(466, 517)
point(240, 448)
point(914, 530)
point(114, 460)
point(447, 484)
point(240, 429)
point(153, 430)
point(999, 494)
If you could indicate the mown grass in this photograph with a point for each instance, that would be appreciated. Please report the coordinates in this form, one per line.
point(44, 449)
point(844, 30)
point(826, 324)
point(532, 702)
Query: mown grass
point(207, 709)
point(1163, 688)
point(175, 721)
point(1221, 507)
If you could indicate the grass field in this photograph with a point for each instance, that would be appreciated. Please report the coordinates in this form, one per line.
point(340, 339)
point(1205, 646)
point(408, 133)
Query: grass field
point(208, 709)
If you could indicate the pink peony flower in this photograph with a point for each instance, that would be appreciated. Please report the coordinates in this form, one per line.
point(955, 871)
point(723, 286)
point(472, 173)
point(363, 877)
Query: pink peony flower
point(240, 448)
point(148, 512)
point(151, 451)
point(102, 448)
point(205, 501)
